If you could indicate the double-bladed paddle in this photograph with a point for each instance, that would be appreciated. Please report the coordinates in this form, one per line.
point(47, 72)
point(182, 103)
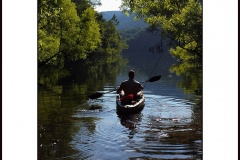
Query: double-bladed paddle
point(100, 94)
point(153, 79)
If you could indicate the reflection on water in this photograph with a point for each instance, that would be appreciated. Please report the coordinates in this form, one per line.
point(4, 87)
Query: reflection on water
point(164, 129)
point(167, 128)
point(72, 127)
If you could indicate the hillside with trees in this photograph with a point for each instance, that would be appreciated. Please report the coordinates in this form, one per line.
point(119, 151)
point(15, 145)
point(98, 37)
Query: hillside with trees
point(137, 34)
point(125, 22)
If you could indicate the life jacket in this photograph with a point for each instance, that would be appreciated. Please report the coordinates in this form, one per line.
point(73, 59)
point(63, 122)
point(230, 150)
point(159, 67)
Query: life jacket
point(127, 99)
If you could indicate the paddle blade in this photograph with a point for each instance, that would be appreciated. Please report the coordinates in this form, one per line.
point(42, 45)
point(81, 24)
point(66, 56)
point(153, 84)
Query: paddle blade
point(153, 79)
point(95, 95)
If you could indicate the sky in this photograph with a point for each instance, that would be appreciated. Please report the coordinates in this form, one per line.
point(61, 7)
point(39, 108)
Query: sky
point(109, 5)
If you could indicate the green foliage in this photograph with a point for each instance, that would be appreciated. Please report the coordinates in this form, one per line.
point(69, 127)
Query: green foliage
point(112, 42)
point(47, 45)
point(69, 23)
point(48, 30)
point(130, 34)
point(71, 30)
point(184, 54)
point(115, 20)
point(179, 20)
point(89, 36)
point(191, 76)
point(57, 28)
point(81, 5)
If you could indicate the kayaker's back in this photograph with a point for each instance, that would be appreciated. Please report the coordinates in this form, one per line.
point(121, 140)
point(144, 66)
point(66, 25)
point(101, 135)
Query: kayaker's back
point(131, 87)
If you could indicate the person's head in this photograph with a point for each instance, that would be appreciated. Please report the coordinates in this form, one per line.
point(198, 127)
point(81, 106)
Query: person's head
point(131, 74)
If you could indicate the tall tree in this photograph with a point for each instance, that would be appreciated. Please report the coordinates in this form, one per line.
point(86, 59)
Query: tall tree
point(69, 28)
point(89, 36)
point(112, 42)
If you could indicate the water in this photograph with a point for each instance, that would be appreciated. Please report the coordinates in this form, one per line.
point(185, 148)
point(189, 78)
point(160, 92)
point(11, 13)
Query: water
point(169, 127)
point(161, 130)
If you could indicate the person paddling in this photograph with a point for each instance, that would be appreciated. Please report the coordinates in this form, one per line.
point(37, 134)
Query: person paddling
point(130, 89)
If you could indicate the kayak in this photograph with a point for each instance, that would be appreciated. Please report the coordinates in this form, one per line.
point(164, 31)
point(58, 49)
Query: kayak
point(134, 107)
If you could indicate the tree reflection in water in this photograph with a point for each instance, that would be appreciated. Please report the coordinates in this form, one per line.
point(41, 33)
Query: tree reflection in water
point(60, 91)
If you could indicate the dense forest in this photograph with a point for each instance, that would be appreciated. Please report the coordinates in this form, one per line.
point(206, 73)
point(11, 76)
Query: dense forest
point(73, 30)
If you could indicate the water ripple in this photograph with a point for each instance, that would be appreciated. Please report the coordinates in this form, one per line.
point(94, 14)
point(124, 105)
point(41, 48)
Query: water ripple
point(163, 130)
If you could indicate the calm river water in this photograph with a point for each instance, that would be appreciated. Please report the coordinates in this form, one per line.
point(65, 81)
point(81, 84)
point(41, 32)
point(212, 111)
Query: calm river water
point(73, 127)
